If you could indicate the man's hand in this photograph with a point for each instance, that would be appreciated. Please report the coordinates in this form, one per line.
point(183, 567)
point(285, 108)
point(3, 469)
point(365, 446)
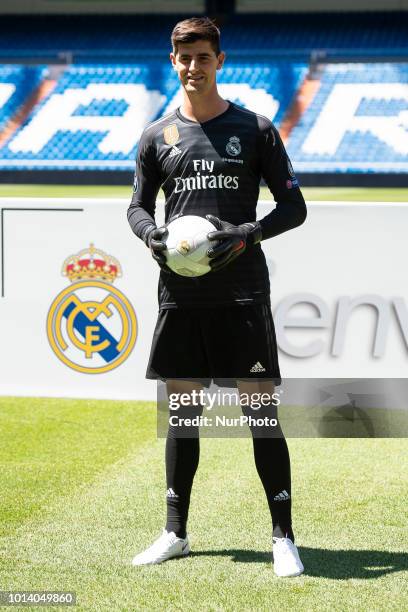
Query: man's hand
point(233, 240)
point(154, 240)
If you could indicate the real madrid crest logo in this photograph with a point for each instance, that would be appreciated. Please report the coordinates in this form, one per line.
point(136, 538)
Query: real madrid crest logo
point(91, 325)
point(233, 146)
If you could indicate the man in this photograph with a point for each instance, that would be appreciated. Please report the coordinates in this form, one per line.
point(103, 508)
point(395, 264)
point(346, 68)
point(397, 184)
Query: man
point(209, 156)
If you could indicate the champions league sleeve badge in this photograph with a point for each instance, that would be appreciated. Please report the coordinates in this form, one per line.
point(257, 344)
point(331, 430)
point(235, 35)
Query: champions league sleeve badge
point(91, 325)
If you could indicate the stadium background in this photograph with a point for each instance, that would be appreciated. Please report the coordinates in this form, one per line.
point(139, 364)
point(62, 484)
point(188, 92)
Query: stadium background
point(75, 78)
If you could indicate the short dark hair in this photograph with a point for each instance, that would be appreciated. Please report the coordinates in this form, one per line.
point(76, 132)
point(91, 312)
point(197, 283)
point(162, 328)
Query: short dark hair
point(196, 28)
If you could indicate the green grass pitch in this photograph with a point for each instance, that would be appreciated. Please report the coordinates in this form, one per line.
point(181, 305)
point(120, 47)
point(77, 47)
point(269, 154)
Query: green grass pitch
point(111, 191)
point(82, 490)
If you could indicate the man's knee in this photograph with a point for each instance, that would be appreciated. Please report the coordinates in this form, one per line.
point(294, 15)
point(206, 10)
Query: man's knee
point(185, 408)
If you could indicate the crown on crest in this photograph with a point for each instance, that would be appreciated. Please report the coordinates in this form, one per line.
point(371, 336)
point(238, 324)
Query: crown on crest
point(91, 263)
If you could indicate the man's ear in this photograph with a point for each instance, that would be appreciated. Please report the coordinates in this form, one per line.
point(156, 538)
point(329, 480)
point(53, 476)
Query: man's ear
point(221, 60)
point(173, 60)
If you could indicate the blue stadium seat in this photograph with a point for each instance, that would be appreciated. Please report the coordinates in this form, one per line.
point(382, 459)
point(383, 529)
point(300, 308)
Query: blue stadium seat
point(17, 83)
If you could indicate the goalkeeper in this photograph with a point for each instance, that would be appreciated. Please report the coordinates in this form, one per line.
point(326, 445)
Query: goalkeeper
point(209, 156)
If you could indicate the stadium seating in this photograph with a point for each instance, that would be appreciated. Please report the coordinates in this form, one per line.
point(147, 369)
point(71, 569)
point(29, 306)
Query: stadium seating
point(95, 114)
point(56, 133)
point(357, 121)
point(89, 114)
point(16, 84)
point(373, 33)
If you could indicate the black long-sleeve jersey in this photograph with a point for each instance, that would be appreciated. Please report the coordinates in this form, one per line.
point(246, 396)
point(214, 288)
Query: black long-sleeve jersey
point(216, 167)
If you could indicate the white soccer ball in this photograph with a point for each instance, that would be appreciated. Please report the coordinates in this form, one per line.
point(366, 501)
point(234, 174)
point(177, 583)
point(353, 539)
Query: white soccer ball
point(187, 245)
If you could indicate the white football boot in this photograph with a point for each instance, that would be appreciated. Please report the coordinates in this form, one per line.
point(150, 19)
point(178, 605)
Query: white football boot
point(286, 560)
point(167, 546)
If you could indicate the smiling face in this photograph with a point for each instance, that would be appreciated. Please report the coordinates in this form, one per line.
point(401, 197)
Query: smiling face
point(196, 65)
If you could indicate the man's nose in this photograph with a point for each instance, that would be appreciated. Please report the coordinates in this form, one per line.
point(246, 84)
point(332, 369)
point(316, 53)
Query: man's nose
point(193, 65)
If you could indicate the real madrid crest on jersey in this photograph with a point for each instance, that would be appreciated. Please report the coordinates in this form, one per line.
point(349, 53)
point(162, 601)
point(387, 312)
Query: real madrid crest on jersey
point(233, 146)
point(91, 325)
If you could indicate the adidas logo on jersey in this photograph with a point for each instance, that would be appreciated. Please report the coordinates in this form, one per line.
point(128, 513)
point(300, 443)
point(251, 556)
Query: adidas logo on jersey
point(282, 496)
point(171, 493)
point(258, 367)
point(174, 151)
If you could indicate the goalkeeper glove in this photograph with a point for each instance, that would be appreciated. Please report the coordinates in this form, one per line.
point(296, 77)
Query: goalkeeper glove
point(154, 240)
point(233, 240)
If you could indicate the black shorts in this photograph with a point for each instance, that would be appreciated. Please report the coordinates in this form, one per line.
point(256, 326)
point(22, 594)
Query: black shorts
point(236, 342)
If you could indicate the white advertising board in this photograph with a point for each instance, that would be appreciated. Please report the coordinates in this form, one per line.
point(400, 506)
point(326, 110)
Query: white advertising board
point(338, 293)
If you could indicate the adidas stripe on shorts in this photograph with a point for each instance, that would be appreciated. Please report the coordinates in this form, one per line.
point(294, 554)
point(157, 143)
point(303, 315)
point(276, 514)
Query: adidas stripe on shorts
point(236, 342)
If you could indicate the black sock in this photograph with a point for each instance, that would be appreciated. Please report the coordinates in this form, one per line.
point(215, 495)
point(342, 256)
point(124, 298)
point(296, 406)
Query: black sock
point(273, 466)
point(182, 457)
